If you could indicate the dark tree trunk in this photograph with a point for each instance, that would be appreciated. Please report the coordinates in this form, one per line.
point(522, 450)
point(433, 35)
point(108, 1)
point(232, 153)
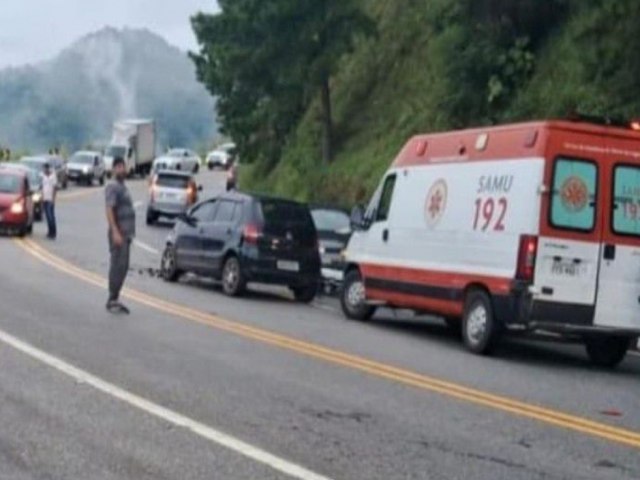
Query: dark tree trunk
point(327, 122)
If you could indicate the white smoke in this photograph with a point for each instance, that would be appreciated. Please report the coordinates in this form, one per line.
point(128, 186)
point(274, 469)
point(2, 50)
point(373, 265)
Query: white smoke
point(106, 66)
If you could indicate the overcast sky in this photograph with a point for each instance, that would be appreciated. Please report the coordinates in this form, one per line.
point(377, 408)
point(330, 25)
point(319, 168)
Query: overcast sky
point(35, 30)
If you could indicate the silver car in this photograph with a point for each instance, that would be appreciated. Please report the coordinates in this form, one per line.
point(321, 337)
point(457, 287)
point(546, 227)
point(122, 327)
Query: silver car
point(85, 167)
point(171, 194)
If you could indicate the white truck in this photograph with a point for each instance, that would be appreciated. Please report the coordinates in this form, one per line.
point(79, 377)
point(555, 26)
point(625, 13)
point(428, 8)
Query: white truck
point(135, 141)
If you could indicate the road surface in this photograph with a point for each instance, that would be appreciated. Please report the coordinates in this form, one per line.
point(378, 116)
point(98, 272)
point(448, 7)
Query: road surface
point(194, 385)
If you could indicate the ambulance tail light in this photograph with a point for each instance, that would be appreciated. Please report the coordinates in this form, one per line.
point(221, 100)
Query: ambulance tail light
point(527, 257)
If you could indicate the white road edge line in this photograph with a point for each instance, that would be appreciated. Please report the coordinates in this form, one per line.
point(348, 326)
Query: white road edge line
point(146, 247)
point(231, 443)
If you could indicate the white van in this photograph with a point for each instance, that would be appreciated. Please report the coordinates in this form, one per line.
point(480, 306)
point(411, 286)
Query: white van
point(530, 227)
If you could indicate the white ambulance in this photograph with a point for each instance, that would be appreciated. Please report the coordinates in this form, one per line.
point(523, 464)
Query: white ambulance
point(529, 227)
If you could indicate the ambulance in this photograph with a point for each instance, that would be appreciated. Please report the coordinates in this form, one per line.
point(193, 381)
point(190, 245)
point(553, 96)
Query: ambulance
point(531, 228)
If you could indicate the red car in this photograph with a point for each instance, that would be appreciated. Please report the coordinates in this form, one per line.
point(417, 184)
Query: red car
point(16, 204)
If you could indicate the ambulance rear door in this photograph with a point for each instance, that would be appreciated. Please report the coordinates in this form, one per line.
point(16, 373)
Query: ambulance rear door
point(569, 244)
point(618, 298)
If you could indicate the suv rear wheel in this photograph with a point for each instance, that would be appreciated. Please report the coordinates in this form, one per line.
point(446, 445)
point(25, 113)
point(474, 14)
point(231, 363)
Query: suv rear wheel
point(305, 294)
point(607, 352)
point(152, 217)
point(233, 282)
point(353, 298)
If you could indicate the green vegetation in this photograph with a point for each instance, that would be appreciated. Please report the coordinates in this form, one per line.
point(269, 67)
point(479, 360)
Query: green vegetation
point(435, 65)
point(266, 60)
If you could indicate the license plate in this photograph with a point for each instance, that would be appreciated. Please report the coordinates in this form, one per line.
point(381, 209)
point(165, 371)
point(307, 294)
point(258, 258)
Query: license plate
point(288, 266)
point(565, 269)
point(169, 196)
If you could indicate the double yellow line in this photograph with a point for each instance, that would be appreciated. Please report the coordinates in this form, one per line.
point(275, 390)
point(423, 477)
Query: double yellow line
point(353, 362)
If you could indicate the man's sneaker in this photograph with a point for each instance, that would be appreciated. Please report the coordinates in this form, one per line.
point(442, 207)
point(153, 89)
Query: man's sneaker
point(115, 306)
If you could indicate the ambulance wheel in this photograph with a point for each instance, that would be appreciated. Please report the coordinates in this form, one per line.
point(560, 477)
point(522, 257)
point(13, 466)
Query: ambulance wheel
point(607, 352)
point(480, 329)
point(353, 298)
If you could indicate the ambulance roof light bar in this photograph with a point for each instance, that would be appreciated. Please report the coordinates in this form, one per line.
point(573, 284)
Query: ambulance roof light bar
point(603, 120)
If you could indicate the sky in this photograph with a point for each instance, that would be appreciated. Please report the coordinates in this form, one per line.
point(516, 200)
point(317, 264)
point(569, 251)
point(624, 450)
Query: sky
point(35, 30)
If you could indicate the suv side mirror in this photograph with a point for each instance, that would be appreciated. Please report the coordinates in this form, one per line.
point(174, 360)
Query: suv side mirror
point(357, 218)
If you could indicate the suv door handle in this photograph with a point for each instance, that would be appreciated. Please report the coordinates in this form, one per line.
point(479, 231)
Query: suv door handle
point(609, 252)
point(385, 235)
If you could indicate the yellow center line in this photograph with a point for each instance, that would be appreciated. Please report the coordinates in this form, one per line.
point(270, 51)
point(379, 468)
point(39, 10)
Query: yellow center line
point(354, 362)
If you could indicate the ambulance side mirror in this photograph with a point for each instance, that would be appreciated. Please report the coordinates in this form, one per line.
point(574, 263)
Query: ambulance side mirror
point(357, 218)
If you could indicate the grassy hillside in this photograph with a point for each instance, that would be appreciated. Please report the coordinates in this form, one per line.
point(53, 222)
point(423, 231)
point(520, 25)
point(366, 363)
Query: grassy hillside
point(432, 67)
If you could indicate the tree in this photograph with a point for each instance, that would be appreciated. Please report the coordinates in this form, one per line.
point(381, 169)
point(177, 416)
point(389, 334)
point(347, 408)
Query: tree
point(327, 31)
point(266, 61)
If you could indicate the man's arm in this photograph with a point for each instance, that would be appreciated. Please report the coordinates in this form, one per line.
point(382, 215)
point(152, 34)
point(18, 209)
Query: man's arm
point(110, 195)
point(113, 226)
point(55, 187)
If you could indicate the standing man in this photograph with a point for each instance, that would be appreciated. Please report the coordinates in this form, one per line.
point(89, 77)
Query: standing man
point(49, 191)
point(121, 217)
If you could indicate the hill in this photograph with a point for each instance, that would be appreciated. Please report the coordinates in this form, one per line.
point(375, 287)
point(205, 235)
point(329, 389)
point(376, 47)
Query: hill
point(73, 99)
point(442, 64)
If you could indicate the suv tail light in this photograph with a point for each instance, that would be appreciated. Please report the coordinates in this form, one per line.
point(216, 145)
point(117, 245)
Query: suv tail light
point(251, 234)
point(192, 194)
point(527, 257)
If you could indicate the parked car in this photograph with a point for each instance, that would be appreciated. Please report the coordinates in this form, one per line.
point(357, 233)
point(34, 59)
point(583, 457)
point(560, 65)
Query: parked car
point(85, 167)
point(165, 163)
point(334, 230)
point(16, 204)
point(37, 163)
point(171, 194)
point(219, 159)
point(232, 177)
point(35, 184)
point(185, 159)
point(239, 238)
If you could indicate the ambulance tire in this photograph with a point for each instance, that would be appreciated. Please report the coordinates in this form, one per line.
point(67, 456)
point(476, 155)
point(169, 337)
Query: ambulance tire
point(480, 329)
point(607, 352)
point(352, 288)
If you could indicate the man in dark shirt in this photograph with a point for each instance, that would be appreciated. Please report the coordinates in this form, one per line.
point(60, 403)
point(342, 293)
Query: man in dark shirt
point(121, 217)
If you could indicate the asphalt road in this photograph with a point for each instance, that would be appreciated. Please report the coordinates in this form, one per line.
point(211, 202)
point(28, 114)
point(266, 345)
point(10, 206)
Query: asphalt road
point(194, 385)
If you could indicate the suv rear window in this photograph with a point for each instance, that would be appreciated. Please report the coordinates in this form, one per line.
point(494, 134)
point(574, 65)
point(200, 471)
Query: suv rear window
point(281, 217)
point(173, 181)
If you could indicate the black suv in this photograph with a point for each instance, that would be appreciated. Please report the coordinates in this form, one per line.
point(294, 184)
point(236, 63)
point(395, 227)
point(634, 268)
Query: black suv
point(240, 238)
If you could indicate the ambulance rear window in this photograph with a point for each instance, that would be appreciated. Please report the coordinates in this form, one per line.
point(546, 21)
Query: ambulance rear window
point(626, 202)
point(574, 193)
